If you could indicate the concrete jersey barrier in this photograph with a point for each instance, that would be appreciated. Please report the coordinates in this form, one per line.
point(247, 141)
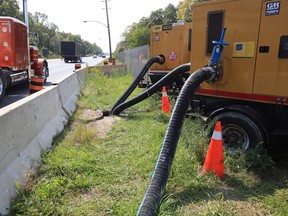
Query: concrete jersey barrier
point(27, 129)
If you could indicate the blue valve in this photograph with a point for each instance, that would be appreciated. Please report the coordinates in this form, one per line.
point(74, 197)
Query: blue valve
point(217, 50)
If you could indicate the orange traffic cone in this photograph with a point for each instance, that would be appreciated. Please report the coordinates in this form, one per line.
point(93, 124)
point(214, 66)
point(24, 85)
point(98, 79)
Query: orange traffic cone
point(214, 158)
point(166, 108)
point(77, 66)
point(36, 84)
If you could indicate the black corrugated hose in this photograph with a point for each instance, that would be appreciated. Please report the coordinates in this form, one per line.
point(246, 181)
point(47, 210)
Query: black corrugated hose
point(153, 89)
point(158, 59)
point(151, 200)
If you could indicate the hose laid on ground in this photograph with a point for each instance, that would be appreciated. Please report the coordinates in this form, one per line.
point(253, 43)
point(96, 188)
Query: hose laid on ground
point(151, 200)
point(153, 89)
point(158, 59)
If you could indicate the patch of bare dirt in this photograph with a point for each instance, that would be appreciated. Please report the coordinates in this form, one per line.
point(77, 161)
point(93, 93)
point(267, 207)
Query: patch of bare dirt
point(89, 115)
point(103, 126)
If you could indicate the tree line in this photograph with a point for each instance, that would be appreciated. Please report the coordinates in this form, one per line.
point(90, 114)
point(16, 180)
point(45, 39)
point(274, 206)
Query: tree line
point(137, 34)
point(48, 35)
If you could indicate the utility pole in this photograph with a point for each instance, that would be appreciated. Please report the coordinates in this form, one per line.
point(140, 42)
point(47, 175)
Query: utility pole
point(108, 26)
point(25, 12)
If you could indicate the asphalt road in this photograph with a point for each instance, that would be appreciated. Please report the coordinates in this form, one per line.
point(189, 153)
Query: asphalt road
point(57, 68)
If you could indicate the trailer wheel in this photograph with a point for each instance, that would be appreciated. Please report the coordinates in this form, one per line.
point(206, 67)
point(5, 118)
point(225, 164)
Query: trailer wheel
point(240, 132)
point(45, 72)
point(2, 85)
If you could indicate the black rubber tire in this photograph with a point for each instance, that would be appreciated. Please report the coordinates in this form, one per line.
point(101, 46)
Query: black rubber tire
point(240, 132)
point(2, 85)
point(45, 72)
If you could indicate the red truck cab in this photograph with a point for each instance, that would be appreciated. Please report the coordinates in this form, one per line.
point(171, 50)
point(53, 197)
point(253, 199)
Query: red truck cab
point(17, 59)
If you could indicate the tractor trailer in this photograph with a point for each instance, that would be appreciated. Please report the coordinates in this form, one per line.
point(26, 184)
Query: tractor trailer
point(18, 60)
point(71, 51)
point(251, 96)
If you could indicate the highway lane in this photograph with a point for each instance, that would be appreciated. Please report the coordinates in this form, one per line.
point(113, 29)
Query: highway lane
point(57, 68)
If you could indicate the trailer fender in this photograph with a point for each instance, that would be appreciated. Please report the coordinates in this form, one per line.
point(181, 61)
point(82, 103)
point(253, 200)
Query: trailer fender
point(41, 68)
point(248, 111)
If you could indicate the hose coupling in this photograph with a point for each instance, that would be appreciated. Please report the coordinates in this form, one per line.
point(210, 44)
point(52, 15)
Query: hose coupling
point(216, 73)
point(161, 59)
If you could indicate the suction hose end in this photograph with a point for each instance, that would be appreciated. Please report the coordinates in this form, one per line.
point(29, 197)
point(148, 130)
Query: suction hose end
point(161, 58)
point(106, 112)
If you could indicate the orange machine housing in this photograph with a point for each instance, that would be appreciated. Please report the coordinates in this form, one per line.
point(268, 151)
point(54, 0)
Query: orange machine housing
point(14, 51)
point(251, 96)
point(173, 41)
point(255, 64)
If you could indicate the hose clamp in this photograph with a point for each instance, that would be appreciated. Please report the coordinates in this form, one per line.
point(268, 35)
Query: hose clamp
point(216, 73)
point(212, 74)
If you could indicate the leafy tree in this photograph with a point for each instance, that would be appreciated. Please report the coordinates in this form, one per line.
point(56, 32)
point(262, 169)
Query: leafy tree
point(41, 19)
point(10, 8)
point(144, 22)
point(139, 37)
point(132, 35)
point(156, 17)
point(169, 14)
point(121, 46)
point(138, 34)
point(184, 12)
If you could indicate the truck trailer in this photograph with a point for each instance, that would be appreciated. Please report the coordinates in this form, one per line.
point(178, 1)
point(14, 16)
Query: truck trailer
point(251, 96)
point(71, 51)
point(18, 60)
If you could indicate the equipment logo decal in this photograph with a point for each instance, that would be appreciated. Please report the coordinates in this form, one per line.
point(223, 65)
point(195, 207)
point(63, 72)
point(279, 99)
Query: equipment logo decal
point(172, 56)
point(272, 8)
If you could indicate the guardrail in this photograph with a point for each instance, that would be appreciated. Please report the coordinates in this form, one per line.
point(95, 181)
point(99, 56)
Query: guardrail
point(27, 128)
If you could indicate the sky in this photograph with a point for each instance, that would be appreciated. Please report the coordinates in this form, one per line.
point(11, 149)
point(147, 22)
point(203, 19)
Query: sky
point(69, 15)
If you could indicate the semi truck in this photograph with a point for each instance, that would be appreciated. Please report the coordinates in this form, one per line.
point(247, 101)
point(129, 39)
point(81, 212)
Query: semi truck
point(18, 60)
point(251, 96)
point(71, 51)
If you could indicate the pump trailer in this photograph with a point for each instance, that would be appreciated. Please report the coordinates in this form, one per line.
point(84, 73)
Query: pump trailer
point(243, 86)
point(173, 41)
point(251, 96)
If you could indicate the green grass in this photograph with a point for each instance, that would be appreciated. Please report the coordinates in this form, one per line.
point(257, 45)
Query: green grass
point(86, 175)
